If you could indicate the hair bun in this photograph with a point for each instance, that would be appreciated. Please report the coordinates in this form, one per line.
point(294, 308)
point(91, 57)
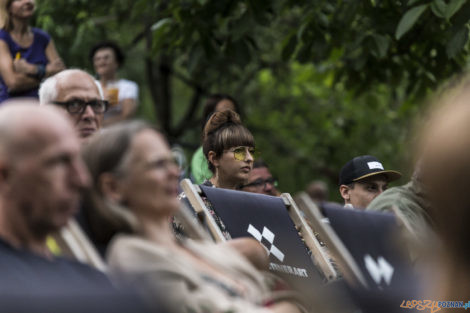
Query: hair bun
point(221, 119)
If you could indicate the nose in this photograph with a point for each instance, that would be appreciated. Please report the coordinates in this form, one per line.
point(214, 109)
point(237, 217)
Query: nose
point(248, 156)
point(88, 114)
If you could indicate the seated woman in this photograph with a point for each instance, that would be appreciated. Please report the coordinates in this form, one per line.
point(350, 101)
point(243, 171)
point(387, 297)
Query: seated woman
point(134, 194)
point(229, 148)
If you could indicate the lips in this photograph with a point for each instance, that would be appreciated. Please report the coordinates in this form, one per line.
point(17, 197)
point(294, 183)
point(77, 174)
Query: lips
point(246, 169)
point(87, 131)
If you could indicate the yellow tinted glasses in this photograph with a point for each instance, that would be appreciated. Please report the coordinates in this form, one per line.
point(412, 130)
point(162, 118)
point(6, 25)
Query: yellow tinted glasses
point(240, 153)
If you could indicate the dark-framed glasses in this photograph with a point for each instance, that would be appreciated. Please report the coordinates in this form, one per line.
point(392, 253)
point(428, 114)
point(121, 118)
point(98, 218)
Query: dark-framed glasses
point(262, 183)
point(78, 106)
point(240, 153)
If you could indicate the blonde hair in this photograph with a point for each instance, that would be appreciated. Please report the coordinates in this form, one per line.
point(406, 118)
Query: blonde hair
point(4, 14)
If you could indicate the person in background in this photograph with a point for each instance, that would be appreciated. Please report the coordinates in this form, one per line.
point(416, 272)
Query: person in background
point(318, 192)
point(76, 92)
point(122, 94)
point(261, 180)
point(27, 54)
point(362, 179)
point(214, 103)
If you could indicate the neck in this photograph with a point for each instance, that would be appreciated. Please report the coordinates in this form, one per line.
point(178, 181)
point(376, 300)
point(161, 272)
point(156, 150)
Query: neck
point(19, 26)
point(158, 231)
point(106, 78)
point(220, 182)
point(17, 233)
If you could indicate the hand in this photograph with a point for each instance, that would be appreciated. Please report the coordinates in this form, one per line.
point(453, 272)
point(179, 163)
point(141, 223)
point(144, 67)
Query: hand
point(55, 66)
point(22, 66)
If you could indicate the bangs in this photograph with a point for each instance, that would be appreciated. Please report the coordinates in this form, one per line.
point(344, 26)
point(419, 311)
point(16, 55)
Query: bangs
point(235, 136)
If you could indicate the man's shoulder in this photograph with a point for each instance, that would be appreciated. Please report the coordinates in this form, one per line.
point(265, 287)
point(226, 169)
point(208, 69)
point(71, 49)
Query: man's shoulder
point(397, 196)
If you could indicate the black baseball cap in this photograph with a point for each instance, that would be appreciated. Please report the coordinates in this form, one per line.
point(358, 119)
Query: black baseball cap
point(364, 166)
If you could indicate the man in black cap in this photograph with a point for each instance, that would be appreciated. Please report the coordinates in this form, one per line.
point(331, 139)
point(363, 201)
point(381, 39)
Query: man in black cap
point(362, 179)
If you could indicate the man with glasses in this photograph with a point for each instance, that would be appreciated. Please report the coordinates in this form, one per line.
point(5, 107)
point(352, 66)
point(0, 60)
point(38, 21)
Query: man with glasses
point(261, 180)
point(362, 179)
point(76, 92)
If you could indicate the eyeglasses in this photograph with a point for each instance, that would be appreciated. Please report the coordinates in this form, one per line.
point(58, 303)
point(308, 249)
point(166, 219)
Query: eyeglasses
point(240, 153)
point(262, 183)
point(78, 106)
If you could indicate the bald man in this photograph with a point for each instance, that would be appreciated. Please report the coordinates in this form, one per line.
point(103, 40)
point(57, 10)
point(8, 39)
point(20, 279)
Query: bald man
point(76, 92)
point(41, 177)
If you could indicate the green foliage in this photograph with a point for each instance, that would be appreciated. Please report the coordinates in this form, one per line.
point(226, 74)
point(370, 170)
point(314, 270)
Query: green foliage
point(319, 81)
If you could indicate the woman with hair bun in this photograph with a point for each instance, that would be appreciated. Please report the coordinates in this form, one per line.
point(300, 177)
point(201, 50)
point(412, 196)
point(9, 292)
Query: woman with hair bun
point(229, 148)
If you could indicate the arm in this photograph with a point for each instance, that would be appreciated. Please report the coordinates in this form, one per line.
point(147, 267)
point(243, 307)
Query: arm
point(55, 63)
point(127, 110)
point(15, 81)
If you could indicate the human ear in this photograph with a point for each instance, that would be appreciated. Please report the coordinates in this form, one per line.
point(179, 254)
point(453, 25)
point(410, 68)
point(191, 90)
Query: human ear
point(110, 187)
point(213, 159)
point(344, 191)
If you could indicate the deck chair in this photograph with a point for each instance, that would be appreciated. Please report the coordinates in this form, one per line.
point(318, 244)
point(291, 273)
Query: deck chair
point(267, 219)
point(363, 245)
point(74, 243)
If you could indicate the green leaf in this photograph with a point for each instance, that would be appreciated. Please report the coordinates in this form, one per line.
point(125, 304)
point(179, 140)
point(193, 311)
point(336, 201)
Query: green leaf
point(381, 46)
point(409, 19)
point(453, 7)
point(439, 8)
point(457, 43)
point(288, 47)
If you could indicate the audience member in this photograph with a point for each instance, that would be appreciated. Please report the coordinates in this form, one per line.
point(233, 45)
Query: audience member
point(318, 192)
point(362, 179)
point(261, 180)
point(42, 175)
point(27, 54)
point(122, 94)
point(134, 192)
point(444, 154)
point(76, 92)
point(214, 103)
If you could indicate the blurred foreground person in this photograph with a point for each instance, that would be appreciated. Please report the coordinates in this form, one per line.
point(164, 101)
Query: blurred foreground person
point(76, 92)
point(444, 153)
point(362, 179)
point(135, 193)
point(41, 177)
point(261, 180)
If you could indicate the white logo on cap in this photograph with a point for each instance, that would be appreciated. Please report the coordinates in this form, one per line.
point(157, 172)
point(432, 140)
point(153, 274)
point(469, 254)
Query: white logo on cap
point(375, 165)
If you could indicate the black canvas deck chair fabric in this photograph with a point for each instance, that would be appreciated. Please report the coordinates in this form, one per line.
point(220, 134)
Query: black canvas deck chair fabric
point(365, 245)
point(267, 219)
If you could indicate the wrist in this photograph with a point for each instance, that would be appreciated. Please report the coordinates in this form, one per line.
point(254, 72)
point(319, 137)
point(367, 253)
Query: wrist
point(40, 71)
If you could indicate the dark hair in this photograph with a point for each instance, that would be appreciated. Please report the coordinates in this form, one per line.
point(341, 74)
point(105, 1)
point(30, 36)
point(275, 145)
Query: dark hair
point(223, 131)
point(211, 104)
point(105, 153)
point(258, 163)
point(120, 58)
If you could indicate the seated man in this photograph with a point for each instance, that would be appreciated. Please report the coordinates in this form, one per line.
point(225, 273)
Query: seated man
point(260, 180)
point(362, 179)
point(76, 92)
point(41, 177)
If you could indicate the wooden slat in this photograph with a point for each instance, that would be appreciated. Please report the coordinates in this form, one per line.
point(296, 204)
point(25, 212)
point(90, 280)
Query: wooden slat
point(193, 193)
point(346, 263)
point(319, 258)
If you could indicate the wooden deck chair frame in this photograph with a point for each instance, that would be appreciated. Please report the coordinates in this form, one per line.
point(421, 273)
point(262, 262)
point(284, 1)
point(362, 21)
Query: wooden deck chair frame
point(343, 257)
point(319, 258)
point(191, 227)
point(73, 242)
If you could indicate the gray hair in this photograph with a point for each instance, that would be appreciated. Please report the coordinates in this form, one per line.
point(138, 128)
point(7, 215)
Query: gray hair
point(108, 152)
point(48, 88)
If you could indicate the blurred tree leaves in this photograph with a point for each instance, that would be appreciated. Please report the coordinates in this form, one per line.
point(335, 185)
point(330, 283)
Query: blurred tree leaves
point(320, 81)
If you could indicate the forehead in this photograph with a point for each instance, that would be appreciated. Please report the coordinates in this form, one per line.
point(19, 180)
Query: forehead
point(260, 172)
point(104, 52)
point(148, 144)
point(78, 86)
point(375, 180)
